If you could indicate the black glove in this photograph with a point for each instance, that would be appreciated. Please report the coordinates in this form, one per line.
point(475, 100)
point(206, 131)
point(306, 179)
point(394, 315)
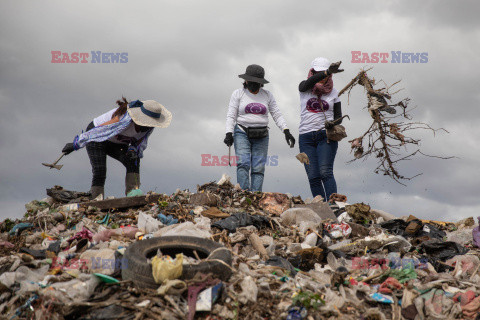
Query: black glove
point(132, 155)
point(290, 139)
point(329, 124)
point(228, 139)
point(68, 148)
point(334, 68)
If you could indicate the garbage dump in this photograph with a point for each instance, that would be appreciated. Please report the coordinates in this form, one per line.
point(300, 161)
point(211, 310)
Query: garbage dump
point(225, 253)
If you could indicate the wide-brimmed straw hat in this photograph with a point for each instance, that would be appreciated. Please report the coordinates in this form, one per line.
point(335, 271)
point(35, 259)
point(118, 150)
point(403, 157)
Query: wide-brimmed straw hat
point(149, 113)
point(254, 73)
point(320, 64)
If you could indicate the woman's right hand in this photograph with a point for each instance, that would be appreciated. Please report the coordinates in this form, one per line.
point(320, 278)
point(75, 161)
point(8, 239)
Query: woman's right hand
point(68, 148)
point(334, 68)
point(228, 139)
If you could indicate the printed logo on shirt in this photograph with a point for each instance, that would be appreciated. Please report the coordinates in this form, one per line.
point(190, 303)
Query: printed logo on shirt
point(255, 108)
point(313, 105)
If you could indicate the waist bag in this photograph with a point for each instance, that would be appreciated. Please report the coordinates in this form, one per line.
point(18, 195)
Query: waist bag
point(255, 132)
point(336, 133)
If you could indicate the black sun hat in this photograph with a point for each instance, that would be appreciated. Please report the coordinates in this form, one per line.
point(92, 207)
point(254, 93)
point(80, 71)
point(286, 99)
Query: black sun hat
point(254, 73)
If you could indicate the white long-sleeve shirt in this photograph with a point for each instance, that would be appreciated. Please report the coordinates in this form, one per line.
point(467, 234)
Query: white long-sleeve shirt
point(251, 110)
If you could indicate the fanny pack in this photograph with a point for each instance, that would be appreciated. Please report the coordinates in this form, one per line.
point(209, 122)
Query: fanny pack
point(255, 132)
point(336, 133)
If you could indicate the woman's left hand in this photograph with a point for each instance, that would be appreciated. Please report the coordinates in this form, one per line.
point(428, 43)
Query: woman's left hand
point(334, 68)
point(290, 139)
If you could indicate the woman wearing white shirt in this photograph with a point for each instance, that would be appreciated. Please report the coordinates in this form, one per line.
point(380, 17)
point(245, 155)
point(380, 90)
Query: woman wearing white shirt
point(247, 127)
point(319, 105)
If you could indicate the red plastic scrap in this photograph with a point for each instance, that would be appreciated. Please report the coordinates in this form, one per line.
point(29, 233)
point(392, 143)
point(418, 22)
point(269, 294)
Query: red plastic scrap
point(471, 310)
point(464, 298)
point(389, 285)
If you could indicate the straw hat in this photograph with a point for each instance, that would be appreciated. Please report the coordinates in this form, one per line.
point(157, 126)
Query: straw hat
point(149, 113)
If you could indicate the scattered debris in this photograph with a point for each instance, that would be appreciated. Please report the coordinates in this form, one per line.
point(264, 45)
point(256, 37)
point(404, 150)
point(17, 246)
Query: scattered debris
point(226, 253)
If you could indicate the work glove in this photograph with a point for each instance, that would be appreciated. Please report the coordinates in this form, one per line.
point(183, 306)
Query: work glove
point(131, 154)
point(228, 139)
point(334, 68)
point(68, 148)
point(329, 124)
point(290, 139)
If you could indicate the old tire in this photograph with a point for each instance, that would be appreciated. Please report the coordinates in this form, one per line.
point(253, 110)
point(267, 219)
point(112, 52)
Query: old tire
point(218, 259)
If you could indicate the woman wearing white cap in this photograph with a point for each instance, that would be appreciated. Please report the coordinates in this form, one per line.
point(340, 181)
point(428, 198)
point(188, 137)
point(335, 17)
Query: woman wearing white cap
point(319, 104)
point(121, 133)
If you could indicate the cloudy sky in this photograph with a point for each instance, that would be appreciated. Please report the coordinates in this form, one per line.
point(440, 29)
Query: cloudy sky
point(187, 55)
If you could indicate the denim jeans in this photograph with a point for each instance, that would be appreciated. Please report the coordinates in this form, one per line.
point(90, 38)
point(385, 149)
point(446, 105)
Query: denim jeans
point(321, 155)
point(252, 156)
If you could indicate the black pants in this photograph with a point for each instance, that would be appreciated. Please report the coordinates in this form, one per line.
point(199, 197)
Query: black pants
point(98, 151)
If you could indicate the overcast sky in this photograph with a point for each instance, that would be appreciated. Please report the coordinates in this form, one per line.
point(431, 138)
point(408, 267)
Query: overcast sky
point(187, 55)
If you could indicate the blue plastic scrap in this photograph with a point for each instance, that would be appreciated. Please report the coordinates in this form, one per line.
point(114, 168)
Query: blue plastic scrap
point(297, 313)
point(167, 220)
point(18, 228)
point(27, 304)
point(383, 298)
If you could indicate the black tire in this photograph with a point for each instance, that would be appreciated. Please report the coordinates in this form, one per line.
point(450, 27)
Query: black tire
point(218, 258)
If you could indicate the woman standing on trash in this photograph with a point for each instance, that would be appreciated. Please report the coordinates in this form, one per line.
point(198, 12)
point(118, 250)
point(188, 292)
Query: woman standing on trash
point(319, 106)
point(247, 127)
point(121, 133)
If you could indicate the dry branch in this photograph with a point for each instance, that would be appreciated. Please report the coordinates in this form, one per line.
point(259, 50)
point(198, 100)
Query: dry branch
point(386, 137)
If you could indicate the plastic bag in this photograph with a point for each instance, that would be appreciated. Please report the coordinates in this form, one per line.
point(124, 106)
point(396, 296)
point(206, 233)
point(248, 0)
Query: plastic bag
point(183, 229)
point(249, 290)
point(432, 231)
point(166, 268)
point(390, 284)
point(311, 240)
point(442, 250)
point(462, 236)
point(397, 243)
point(282, 263)
point(98, 261)
point(242, 220)
point(402, 275)
point(383, 298)
point(30, 279)
point(339, 230)
point(18, 228)
point(395, 226)
point(167, 220)
point(147, 223)
point(464, 265)
point(297, 215)
point(476, 234)
point(79, 289)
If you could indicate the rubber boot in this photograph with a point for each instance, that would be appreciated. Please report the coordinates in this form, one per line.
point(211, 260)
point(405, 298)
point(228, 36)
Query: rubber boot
point(132, 181)
point(96, 191)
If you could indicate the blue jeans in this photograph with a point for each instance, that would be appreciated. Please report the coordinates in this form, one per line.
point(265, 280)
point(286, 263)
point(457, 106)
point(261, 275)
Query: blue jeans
point(252, 155)
point(321, 155)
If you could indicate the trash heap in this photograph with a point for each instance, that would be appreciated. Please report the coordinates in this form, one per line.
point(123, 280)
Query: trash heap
point(225, 253)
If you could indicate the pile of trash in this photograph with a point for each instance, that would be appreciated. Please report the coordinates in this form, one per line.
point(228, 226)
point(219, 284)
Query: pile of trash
point(226, 253)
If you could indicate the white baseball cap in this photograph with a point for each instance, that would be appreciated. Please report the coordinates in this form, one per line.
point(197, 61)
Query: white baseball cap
point(320, 64)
